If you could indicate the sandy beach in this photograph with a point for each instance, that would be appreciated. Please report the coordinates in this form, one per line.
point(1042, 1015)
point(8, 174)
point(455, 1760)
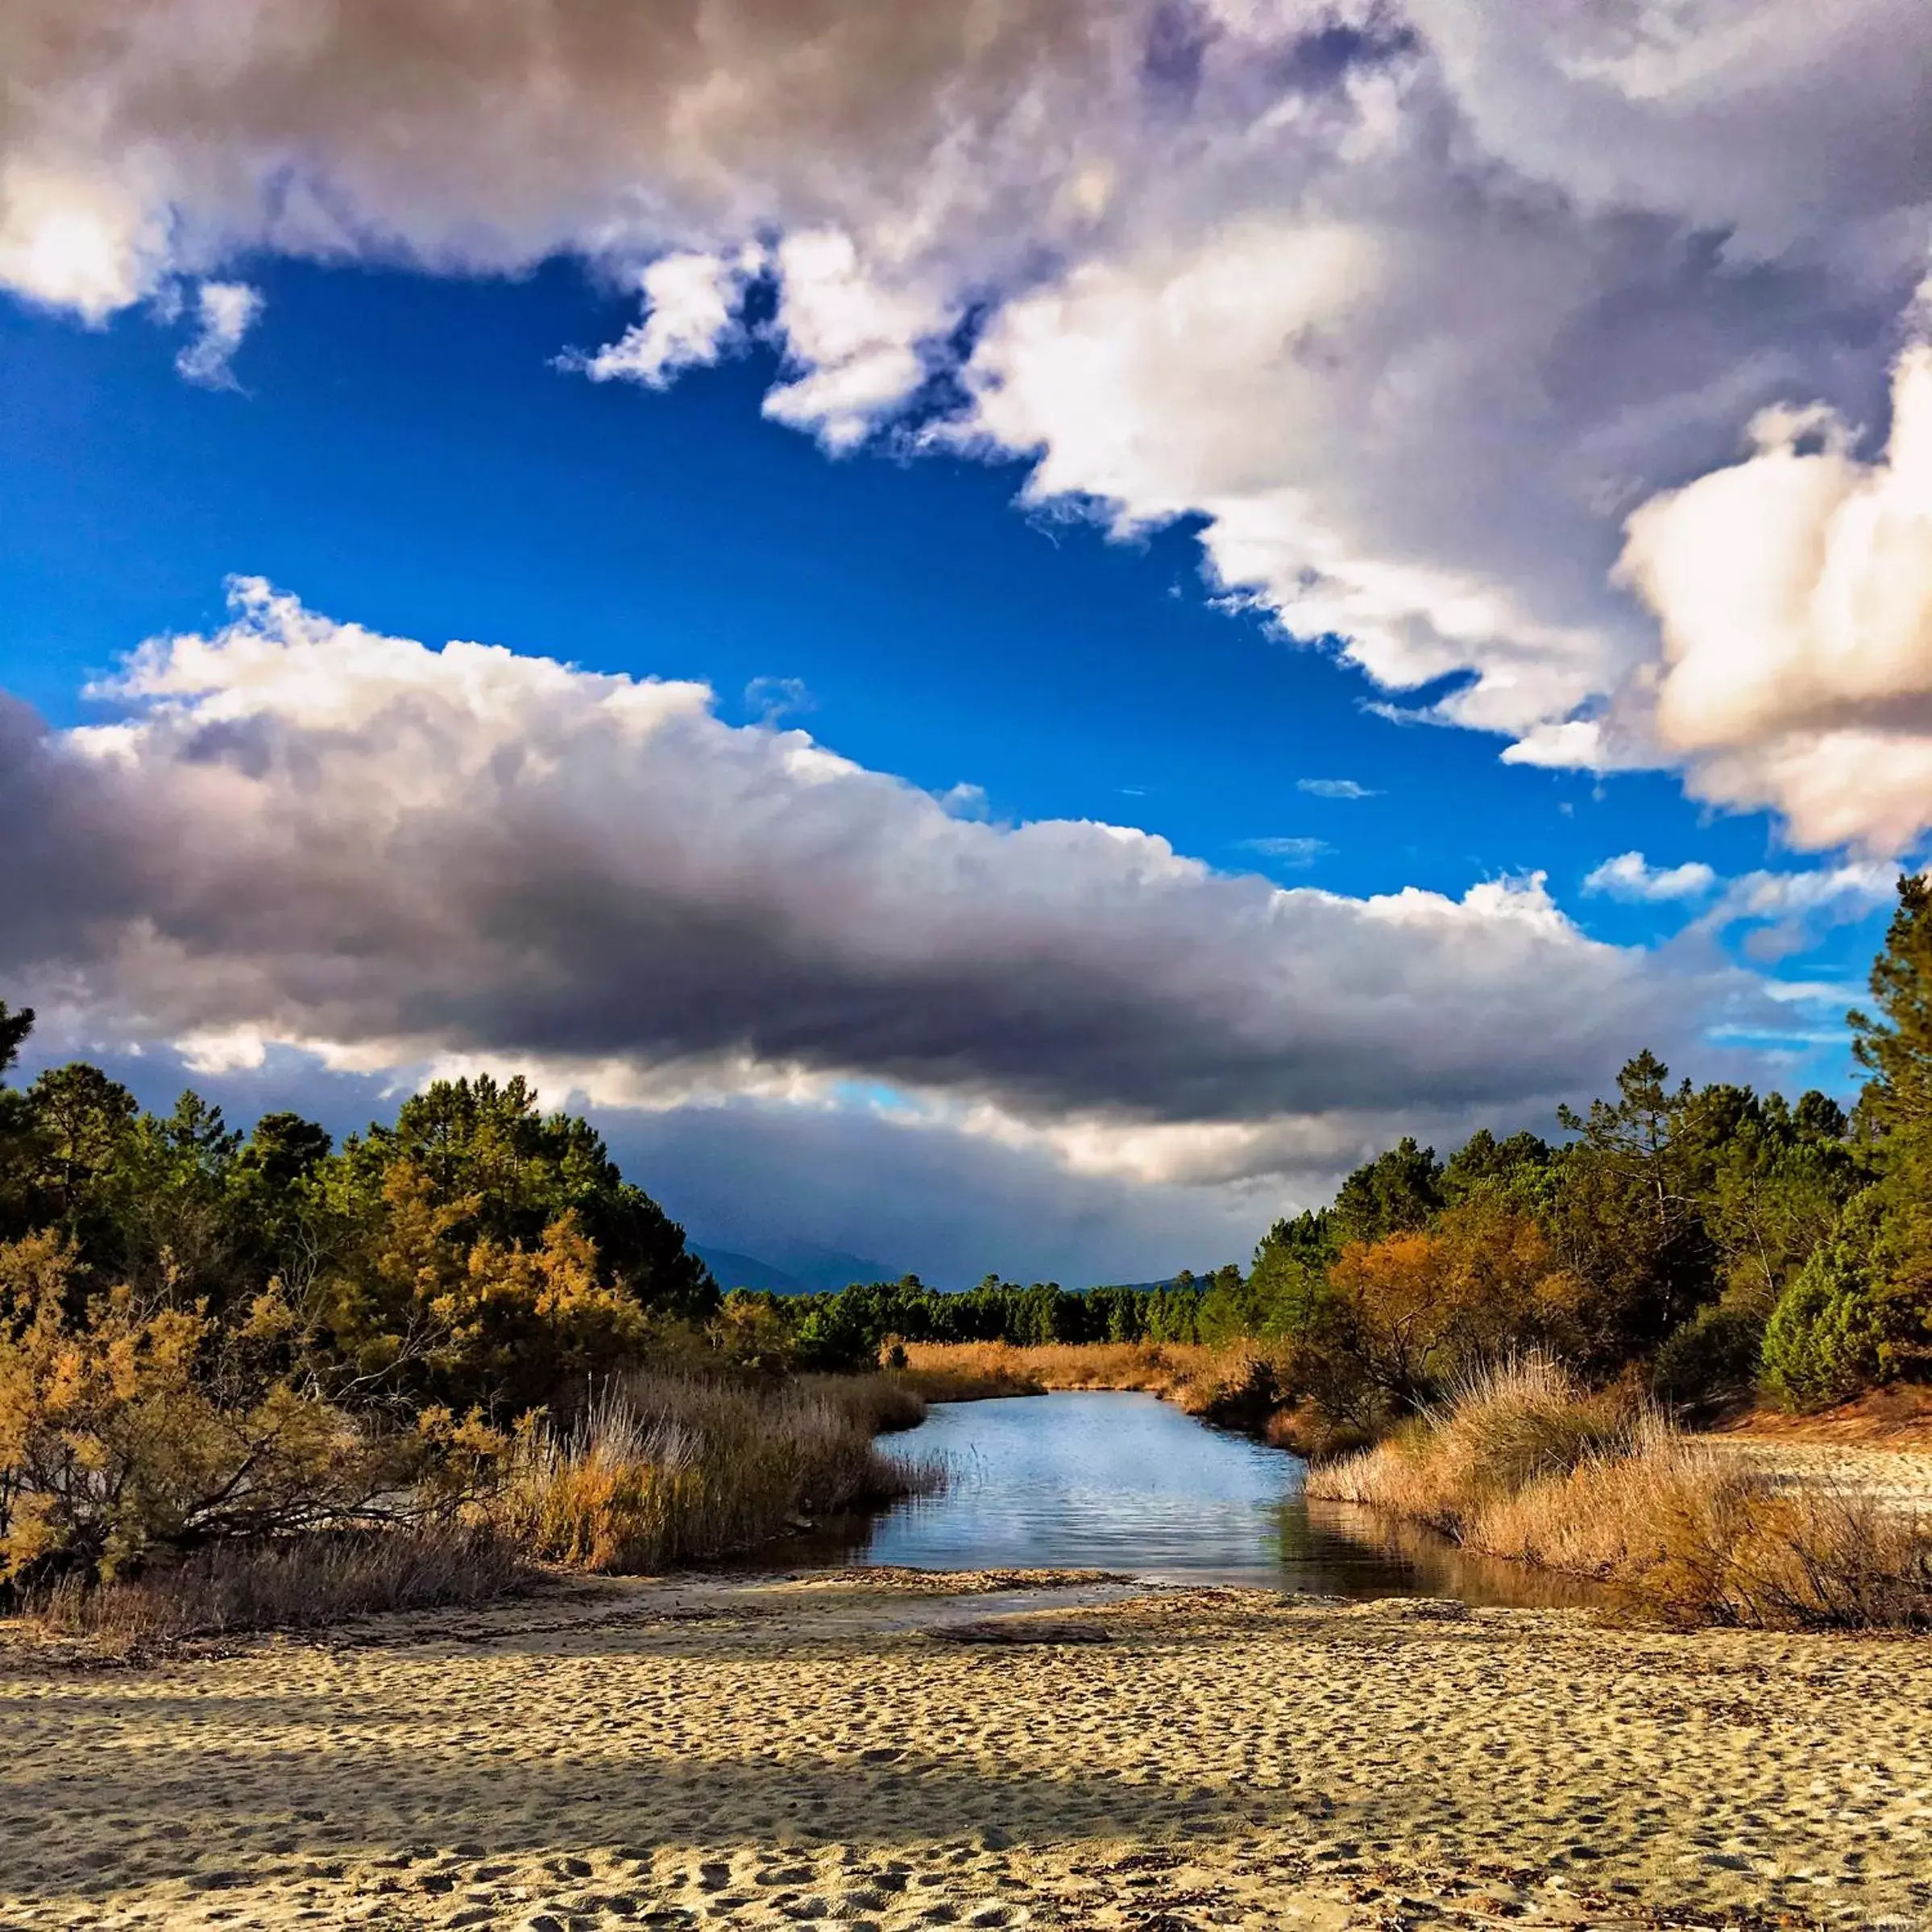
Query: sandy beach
point(771, 1751)
point(1900, 1479)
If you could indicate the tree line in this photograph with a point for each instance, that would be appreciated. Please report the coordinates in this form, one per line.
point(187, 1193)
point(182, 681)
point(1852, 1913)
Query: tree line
point(1712, 1241)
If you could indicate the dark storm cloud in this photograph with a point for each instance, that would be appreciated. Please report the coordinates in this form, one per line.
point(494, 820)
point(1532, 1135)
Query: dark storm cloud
point(314, 834)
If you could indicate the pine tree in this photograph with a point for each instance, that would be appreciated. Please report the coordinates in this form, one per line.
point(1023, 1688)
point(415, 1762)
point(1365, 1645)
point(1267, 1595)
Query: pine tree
point(1896, 1048)
point(1895, 1116)
point(15, 1027)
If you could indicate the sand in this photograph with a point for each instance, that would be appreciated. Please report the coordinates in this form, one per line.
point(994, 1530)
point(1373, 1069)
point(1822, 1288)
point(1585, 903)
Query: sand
point(1900, 1479)
point(771, 1752)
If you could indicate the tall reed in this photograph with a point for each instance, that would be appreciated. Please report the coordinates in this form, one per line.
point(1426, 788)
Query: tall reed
point(661, 1471)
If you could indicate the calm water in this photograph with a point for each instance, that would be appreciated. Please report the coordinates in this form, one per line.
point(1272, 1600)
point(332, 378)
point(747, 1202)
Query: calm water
point(1128, 1482)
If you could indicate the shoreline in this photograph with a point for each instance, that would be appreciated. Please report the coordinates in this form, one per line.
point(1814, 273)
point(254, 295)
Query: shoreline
point(820, 1748)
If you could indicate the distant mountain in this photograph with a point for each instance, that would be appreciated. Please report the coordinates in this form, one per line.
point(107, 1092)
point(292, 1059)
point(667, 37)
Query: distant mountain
point(733, 1271)
point(806, 1268)
point(821, 1268)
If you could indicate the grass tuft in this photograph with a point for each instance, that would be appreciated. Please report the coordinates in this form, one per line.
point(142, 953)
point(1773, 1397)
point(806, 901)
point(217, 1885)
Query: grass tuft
point(1524, 1464)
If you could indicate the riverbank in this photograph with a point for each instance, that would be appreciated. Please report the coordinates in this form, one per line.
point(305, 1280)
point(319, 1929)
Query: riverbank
point(1885, 1437)
point(661, 1471)
point(1527, 1465)
point(1896, 1477)
point(771, 1751)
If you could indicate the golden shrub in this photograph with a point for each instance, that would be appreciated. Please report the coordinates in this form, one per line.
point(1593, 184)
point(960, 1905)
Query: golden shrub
point(127, 1425)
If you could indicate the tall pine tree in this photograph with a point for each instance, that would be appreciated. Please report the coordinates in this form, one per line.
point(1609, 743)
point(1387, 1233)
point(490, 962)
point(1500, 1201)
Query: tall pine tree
point(1895, 1046)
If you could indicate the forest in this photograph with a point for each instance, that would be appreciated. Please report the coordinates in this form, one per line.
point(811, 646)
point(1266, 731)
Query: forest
point(207, 1335)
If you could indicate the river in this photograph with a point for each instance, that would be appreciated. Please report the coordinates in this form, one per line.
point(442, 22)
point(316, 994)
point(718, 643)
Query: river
point(1105, 1481)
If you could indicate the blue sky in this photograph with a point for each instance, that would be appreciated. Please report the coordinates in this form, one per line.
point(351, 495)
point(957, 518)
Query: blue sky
point(402, 450)
point(924, 581)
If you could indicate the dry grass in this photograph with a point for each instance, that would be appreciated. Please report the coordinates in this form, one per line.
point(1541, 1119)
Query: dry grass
point(1524, 1465)
point(1503, 1431)
point(1688, 1536)
point(1307, 1430)
point(287, 1583)
point(882, 1405)
point(665, 1470)
point(661, 1470)
point(969, 1371)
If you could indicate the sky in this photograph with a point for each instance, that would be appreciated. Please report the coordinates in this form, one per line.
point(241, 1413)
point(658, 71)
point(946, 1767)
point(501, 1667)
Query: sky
point(1005, 637)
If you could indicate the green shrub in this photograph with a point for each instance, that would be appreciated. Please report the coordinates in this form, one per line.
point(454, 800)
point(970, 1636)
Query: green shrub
point(1825, 1340)
point(1712, 1359)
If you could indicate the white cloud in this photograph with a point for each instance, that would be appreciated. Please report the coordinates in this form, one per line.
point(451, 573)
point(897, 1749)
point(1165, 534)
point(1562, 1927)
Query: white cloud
point(771, 698)
point(224, 311)
point(692, 304)
point(1858, 887)
point(856, 340)
point(1631, 876)
point(1795, 594)
point(1790, 912)
point(1334, 787)
point(1409, 307)
point(78, 239)
point(1784, 913)
point(302, 833)
point(966, 801)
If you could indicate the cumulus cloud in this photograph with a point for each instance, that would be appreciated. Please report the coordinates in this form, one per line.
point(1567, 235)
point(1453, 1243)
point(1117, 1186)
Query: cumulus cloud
point(966, 801)
point(224, 312)
point(1406, 307)
point(692, 304)
point(1794, 591)
point(1631, 876)
point(299, 831)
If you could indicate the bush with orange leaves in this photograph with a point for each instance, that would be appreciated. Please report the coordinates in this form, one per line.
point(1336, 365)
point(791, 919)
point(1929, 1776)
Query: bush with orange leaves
point(1392, 1325)
point(1413, 1314)
point(126, 1425)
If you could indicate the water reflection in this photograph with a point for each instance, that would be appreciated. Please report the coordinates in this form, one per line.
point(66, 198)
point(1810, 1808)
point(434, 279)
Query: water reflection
point(1364, 1555)
point(1128, 1483)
